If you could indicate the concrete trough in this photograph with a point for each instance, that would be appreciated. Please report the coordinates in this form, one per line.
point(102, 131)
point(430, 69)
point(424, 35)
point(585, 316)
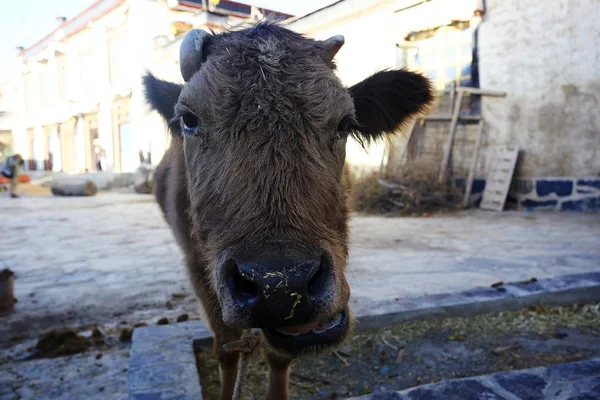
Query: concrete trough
point(163, 365)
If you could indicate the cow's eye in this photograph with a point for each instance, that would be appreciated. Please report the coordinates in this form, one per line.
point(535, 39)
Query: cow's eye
point(189, 123)
point(344, 127)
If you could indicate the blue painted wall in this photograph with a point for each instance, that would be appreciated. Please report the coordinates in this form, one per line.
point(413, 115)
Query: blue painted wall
point(548, 194)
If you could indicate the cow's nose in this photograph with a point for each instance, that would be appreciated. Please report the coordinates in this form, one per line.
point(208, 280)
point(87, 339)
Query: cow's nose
point(279, 292)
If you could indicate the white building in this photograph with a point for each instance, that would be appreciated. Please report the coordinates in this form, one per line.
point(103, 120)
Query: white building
point(82, 82)
point(543, 54)
point(7, 100)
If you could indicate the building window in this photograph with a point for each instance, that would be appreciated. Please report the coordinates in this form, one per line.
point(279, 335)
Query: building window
point(444, 54)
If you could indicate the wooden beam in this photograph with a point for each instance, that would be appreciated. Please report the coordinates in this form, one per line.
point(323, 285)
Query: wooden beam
point(444, 117)
point(469, 183)
point(453, 122)
point(482, 92)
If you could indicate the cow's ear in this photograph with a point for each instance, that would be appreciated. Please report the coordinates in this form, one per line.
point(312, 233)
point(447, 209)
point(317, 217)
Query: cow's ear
point(387, 99)
point(161, 95)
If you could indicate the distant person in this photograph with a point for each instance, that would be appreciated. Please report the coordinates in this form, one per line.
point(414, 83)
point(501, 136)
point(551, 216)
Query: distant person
point(11, 170)
point(99, 154)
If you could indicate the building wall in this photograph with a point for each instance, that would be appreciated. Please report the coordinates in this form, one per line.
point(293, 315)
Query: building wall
point(368, 48)
point(545, 55)
point(540, 53)
point(373, 30)
point(85, 80)
point(7, 99)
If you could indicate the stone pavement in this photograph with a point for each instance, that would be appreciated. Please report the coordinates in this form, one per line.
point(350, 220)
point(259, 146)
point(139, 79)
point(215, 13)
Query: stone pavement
point(569, 381)
point(111, 258)
point(92, 260)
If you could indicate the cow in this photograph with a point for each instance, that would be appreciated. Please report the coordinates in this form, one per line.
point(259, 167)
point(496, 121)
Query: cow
point(254, 187)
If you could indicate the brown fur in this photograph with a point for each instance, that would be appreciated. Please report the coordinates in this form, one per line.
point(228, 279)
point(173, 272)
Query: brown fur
point(267, 163)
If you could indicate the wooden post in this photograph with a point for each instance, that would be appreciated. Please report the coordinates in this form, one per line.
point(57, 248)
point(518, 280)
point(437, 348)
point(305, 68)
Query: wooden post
point(469, 183)
point(453, 122)
point(452, 97)
point(481, 92)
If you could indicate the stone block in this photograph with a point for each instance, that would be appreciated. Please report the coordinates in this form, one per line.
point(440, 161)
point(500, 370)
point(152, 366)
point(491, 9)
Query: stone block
point(386, 396)
point(588, 183)
point(573, 371)
point(522, 385)
point(468, 389)
point(478, 185)
point(583, 205)
point(561, 188)
point(162, 364)
point(529, 204)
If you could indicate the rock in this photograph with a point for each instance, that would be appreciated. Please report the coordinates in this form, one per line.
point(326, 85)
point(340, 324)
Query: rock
point(140, 325)
point(523, 385)
point(183, 318)
point(498, 351)
point(126, 334)
point(497, 284)
point(98, 356)
point(163, 321)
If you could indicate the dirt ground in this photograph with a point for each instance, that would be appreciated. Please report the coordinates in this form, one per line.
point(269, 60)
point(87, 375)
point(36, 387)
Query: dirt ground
point(110, 261)
point(424, 352)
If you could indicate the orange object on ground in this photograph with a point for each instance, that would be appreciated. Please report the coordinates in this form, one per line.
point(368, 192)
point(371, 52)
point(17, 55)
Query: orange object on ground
point(23, 178)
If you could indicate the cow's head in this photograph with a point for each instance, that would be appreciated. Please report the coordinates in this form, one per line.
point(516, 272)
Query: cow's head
point(263, 121)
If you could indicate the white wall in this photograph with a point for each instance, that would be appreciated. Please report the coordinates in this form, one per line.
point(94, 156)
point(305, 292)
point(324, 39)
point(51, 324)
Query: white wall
point(372, 30)
point(546, 56)
point(369, 47)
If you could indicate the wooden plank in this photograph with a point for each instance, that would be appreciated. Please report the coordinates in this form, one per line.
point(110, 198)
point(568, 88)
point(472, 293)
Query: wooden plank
point(444, 117)
point(452, 132)
point(469, 187)
point(481, 92)
point(499, 179)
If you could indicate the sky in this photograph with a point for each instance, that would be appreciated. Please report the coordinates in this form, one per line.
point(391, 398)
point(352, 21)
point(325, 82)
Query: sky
point(24, 22)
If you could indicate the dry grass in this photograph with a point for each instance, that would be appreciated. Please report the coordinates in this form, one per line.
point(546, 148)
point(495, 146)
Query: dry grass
point(369, 196)
point(416, 190)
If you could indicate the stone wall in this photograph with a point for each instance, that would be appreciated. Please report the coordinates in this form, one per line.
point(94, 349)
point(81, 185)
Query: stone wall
point(545, 194)
point(544, 55)
point(557, 194)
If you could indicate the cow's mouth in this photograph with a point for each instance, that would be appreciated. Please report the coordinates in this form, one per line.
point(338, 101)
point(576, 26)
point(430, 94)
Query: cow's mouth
point(317, 334)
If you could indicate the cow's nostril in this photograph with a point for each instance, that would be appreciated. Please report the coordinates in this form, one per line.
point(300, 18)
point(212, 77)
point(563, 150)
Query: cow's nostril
point(242, 285)
point(316, 285)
